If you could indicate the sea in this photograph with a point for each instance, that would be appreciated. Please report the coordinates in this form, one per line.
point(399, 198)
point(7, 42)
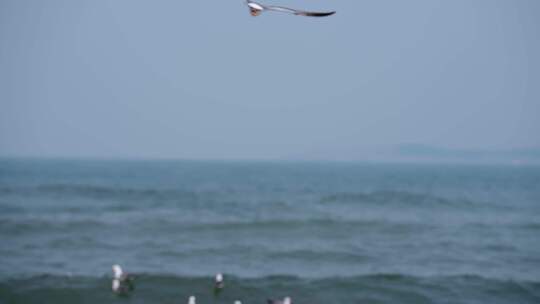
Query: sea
point(318, 232)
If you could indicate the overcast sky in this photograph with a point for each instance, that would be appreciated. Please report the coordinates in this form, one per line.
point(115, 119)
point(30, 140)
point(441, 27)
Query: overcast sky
point(204, 79)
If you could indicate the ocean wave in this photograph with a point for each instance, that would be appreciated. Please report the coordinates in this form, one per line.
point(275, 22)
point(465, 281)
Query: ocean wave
point(100, 192)
point(269, 252)
point(379, 288)
point(162, 224)
point(314, 225)
point(401, 198)
point(10, 226)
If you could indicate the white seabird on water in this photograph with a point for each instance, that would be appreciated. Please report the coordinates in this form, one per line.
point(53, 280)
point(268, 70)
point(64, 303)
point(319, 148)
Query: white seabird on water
point(219, 284)
point(286, 300)
point(256, 9)
point(192, 300)
point(122, 283)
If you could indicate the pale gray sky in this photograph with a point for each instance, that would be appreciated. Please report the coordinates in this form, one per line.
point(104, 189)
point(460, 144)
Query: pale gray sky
point(203, 79)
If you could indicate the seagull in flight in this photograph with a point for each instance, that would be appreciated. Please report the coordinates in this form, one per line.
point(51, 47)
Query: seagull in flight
point(219, 284)
point(256, 9)
point(122, 282)
point(286, 300)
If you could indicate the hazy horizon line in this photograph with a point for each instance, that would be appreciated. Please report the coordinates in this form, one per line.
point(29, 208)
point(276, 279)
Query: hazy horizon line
point(366, 161)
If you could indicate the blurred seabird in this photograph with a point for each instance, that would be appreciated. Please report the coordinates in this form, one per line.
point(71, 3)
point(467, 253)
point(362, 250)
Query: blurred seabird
point(286, 300)
point(219, 284)
point(122, 283)
point(256, 9)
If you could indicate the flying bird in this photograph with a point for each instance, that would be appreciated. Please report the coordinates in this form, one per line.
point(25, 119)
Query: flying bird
point(219, 284)
point(122, 283)
point(256, 9)
point(286, 300)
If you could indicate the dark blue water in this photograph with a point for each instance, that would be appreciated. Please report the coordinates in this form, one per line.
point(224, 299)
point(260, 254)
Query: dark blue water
point(319, 232)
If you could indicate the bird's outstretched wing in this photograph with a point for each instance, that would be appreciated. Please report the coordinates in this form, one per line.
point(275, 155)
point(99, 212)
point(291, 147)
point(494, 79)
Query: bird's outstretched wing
point(297, 12)
point(256, 9)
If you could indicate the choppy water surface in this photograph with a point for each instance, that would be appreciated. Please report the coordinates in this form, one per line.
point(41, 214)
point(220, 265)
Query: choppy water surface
point(319, 232)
